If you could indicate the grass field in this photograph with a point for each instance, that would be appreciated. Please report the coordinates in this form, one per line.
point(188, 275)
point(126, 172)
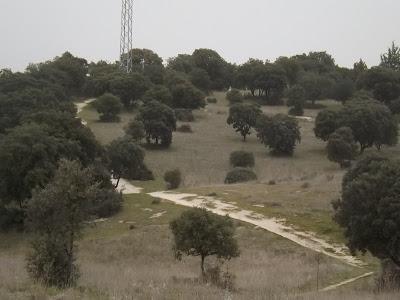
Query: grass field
point(129, 256)
point(118, 262)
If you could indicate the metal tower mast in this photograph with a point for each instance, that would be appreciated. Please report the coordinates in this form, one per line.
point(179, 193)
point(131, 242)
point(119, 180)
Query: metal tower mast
point(126, 35)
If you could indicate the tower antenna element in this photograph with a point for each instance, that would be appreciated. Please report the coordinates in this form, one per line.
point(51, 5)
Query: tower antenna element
point(126, 36)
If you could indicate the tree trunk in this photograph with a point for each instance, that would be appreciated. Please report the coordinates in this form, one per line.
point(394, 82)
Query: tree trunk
point(244, 138)
point(116, 185)
point(202, 265)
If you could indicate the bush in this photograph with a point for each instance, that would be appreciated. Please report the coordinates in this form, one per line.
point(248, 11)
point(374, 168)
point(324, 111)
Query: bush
point(234, 96)
point(238, 175)
point(173, 179)
point(185, 128)
point(242, 159)
point(212, 100)
point(106, 203)
point(184, 115)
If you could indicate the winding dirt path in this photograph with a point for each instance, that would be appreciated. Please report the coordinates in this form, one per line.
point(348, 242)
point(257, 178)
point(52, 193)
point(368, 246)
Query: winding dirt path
point(307, 240)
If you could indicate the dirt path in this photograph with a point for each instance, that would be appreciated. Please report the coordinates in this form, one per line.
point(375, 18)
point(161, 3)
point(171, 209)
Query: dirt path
point(307, 240)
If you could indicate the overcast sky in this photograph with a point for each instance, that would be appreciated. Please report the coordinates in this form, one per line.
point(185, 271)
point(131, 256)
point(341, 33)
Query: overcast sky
point(37, 30)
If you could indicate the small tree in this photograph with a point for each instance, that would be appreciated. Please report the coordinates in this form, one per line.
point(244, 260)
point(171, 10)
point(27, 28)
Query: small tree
point(234, 96)
point(243, 117)
point(198, 232)
point(326, 123)
point(296, 99)
point(56, 215)
point(369, 208)
point(173, 179)
point(127, 159)
point(280, 133)
point(135, 130)
point(109, 107)
point(242, 159)
point(159, 122)
point(341, 146)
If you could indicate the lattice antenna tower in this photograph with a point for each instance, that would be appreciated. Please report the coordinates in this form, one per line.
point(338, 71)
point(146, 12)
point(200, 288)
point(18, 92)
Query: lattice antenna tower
point(126, 35)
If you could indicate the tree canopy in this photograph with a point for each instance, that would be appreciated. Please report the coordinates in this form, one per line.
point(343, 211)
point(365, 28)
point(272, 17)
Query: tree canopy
point(280, 133)
point(369, 208)
point(198, 232)
point(159, 122)
point(243, 117)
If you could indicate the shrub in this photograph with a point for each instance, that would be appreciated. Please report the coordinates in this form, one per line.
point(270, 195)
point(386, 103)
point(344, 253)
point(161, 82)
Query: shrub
point(242, 159)
point(184, 115)
point(234, 96)
point(185, 128)
point(212, 100)
point(238, 175)
point(106, 203)
point(173, 179)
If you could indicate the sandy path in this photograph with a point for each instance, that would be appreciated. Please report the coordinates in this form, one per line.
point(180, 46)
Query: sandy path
point(335, 286)
point(81, 105)
point(307, 240)
point(126, 187)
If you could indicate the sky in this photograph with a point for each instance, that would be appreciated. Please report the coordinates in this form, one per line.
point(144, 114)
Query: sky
point(33, 31)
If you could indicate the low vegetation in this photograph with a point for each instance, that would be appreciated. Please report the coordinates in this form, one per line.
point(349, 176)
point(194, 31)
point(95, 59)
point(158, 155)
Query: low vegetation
point(242, 159)
point(173, 179)
point(239, 175)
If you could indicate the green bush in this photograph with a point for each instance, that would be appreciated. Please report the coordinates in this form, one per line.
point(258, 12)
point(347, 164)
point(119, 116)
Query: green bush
point(106, 203)
point(184, 115)
point(173, 179)
point(242, 159)
point(238, 175)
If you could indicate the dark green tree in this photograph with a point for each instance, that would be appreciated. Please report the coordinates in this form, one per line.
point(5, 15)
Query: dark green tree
point(198, 232)
point(201, 80)
point(186, 95)
point(159, 93)
point(159, 122)
point(243, 118)
point(317, 87)
point(56, 216)
point(341, 146)
point(384, 83)
point(126, 159)
point(326, 123)
point(280, 133)
point(369, 208)
point(391, 59)
point(296, 99)
point(135, 130)
point(109, 107)
point(129, 87)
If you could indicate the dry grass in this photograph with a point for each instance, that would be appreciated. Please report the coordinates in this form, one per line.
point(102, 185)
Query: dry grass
point(139, 265)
